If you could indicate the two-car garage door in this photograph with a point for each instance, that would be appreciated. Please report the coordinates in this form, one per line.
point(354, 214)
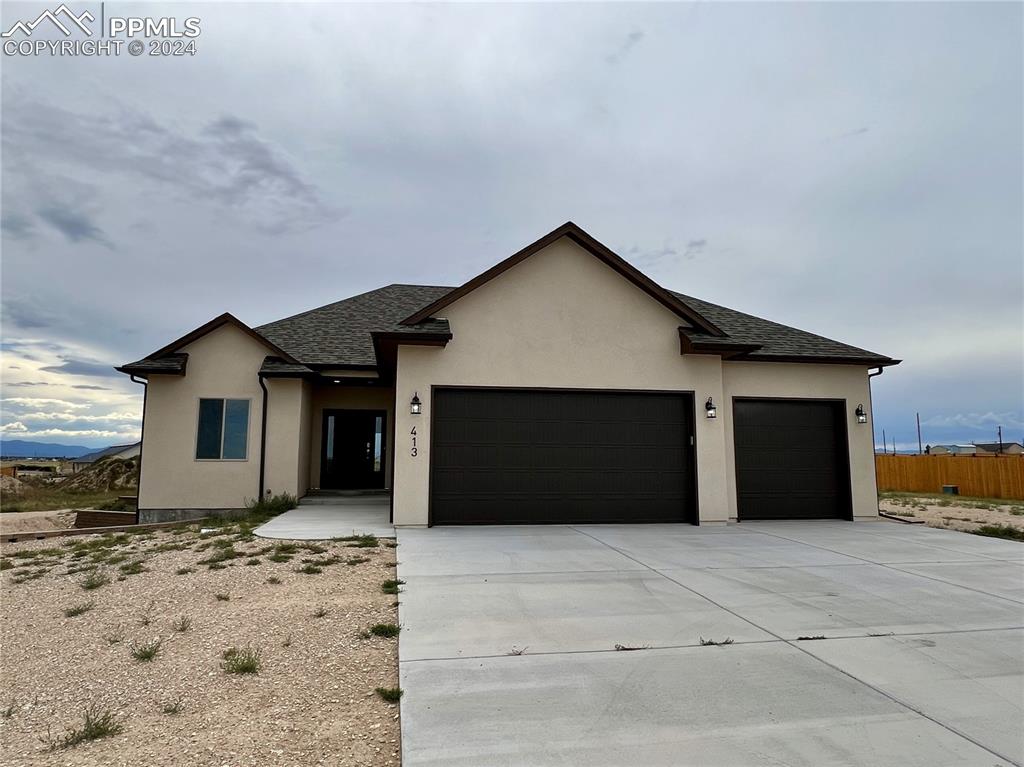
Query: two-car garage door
point(512, 456)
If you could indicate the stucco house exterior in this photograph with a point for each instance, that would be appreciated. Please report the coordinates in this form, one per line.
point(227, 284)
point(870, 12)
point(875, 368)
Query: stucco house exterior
point(561, 385)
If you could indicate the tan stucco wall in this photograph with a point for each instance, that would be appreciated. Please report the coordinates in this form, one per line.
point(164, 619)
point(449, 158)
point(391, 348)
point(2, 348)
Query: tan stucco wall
point(346, 398)
point(287, 466)
point(561, 318)
point(222, 363)
point(843, 382)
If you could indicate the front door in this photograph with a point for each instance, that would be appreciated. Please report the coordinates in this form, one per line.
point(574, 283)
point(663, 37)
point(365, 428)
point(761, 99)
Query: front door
point(353, 452)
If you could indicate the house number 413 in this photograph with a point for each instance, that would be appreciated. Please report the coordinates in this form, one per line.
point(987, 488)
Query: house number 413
point(413, 451)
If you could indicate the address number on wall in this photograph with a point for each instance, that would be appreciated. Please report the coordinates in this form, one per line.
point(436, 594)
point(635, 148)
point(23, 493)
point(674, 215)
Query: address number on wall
point(413, 451)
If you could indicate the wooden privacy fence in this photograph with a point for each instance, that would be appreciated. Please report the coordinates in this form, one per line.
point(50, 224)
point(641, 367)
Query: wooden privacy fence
point(988, 477)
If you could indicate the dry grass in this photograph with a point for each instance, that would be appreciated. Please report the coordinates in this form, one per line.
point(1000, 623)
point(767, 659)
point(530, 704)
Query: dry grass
point(314, 698)
point(956, 512)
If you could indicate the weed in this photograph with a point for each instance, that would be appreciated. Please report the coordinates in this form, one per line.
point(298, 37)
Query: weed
point(629, 648)
point(385, 630)
point(222, 597)
point(133, 568)
point(811, 638)
point(516, 650)
point(364, 634)
point(8, 712)
point(223, 554)
point(147, 617)
point(309, 569)
point(172, 708)
point(274, 580)
point(390, 694)
point(184, 571)
point(351, 561)
point(97, 723)
point(82, 609)
point(244, 661)
point(272, 505)
point(115, 638)
point(1000, 531)
point(216, 566)
point(884, 634)
point(280, 557)
point(6, 564)
point(287, 641)
point(391, 587)
point(95, 580)
point(712, 643)
point(253, 562)
point(359, 541)
point(320, 612)
point(391, 544)
point(145, 651)
point(183, 624)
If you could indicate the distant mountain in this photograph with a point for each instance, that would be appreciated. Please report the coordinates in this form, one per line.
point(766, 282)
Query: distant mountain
point(24, 448)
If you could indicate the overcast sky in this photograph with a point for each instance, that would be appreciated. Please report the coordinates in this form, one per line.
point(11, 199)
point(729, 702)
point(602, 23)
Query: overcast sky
point(851, 169)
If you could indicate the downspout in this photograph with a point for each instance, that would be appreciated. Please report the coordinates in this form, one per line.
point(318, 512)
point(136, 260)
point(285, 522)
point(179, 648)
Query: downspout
point(874, 460)
point(142, 442)
point(263, 439)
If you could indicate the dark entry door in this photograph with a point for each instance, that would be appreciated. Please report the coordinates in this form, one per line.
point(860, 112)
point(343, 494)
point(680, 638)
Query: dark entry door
point(353, 453)
point(501, 456)
point(792, 460)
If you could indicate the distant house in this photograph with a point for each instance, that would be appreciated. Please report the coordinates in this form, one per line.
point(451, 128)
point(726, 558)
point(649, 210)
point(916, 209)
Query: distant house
point(951, 450)
point(117, 451)
point(997, 448)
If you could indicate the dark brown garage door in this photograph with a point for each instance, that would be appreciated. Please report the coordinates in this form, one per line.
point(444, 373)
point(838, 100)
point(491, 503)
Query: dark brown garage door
point(791, 459)
point(502, 456)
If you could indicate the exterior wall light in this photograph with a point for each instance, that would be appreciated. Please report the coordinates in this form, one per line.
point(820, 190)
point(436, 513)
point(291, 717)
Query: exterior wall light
point(862, 416)
point(415, 406)
point(710, 410)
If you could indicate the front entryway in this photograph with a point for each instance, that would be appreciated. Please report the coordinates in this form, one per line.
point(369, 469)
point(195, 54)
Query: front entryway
point(352, 456)
point(516, 456)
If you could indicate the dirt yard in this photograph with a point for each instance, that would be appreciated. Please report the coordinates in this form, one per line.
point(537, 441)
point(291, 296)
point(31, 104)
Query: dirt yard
point(308, 615)
point(955, 512)
point(31, 521)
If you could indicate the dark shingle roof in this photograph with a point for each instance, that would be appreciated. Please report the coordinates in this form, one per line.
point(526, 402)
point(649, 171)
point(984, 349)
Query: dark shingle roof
point(775, 340)
point(173, 364)
point(339, 333)
point(275, 366)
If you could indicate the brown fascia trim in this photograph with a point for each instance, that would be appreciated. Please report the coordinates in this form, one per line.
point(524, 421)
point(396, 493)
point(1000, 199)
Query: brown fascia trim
point(726, 350)
point(873, 362)
point(224, 319)
point(409, 339)
point(592, 246)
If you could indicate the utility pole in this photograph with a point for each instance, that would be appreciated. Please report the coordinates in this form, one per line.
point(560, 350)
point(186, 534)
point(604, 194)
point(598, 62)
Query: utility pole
point(919, 449)
point(999, 443)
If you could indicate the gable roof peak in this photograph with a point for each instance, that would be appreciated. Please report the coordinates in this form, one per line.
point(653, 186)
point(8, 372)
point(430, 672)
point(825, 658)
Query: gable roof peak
point(597, 249)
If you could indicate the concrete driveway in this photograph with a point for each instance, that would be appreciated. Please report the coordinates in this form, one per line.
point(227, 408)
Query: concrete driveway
point(852, 644)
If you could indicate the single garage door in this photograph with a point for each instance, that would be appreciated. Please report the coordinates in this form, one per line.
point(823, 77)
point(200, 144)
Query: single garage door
point(791, 459)
point(501, 456)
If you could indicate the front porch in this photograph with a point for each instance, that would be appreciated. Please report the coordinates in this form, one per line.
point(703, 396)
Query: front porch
point(323, 516)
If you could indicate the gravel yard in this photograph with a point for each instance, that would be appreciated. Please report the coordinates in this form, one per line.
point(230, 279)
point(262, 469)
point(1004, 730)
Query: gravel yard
point(953, 512)
point(312, 702)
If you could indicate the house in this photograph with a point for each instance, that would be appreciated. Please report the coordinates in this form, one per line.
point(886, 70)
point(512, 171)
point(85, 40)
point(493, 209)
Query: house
point(999, 448)
point(561, 385)
point(950, 450)
point(117, 451)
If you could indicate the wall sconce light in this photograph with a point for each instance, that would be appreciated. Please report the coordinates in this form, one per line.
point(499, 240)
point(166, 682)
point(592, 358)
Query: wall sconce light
point(710, 410)
point(415, 406)
point(862, 416)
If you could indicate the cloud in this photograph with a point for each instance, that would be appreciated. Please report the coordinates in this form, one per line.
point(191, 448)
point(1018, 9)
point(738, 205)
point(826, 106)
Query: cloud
point(73, 224)
point(988, 421)
point(631, 41)
point(224, 162)
point(694, 248)
point(83, 368)
point(16, 226)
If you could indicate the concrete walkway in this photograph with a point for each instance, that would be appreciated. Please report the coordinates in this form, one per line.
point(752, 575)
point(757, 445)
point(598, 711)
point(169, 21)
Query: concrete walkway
point(327, 518)
point(851, 644)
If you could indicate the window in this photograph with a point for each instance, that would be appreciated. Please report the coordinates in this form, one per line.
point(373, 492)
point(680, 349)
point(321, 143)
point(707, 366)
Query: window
point(223, 429)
